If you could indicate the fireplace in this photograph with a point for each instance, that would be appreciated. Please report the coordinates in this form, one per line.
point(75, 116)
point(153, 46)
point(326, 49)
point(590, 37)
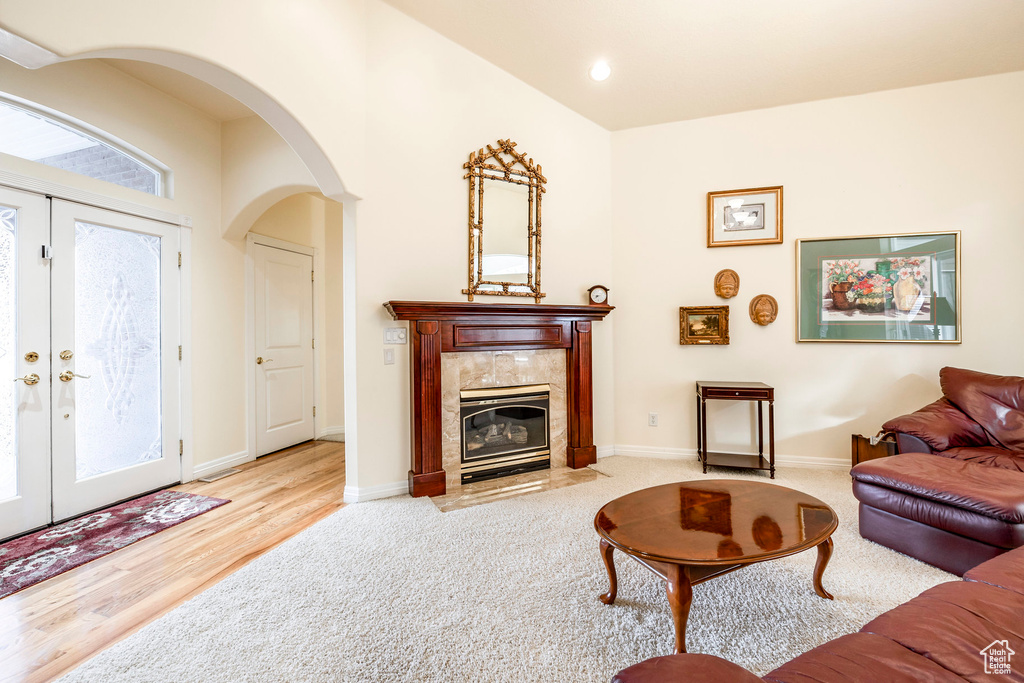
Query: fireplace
point(505, 430)
point(438, 327)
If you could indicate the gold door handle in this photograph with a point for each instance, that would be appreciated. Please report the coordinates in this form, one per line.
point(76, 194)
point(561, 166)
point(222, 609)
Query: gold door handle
point(260, 360)
point(28, 379)
point(67, 376)
point(66, 354)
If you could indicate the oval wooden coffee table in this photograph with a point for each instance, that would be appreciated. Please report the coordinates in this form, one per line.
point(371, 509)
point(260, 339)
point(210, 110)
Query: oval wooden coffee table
point(693, 531)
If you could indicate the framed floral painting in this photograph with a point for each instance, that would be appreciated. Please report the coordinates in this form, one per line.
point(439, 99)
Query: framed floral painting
point(884, 288)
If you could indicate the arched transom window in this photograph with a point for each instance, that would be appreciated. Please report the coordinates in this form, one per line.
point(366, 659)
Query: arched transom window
point(43, 136)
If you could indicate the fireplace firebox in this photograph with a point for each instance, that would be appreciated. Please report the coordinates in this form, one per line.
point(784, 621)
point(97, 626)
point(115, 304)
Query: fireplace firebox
point(504, 431)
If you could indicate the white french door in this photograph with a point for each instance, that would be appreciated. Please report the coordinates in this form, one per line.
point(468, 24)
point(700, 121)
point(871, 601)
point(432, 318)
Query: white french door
point(114, 357)
point(24, 354)
point(283, 317)
point(101, 424)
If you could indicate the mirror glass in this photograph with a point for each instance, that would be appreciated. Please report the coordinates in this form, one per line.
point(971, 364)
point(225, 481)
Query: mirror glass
point(507, 216)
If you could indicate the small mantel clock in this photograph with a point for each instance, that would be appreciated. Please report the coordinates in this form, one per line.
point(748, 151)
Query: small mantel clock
point(598, 295)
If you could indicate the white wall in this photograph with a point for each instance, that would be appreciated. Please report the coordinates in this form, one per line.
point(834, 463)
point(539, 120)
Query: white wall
point(334, 327)
point(934, 158)
point(431, 103)
point(258, 169)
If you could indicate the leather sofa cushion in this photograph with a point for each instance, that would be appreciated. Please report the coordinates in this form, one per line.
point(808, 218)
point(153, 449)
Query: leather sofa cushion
point(989, 491)
point(996, 402)
point(856, 658)
point(951, 623)
point(992, 456)
point(941, 425)
point(1005, 571)
point(956, 520)
point(685, 667)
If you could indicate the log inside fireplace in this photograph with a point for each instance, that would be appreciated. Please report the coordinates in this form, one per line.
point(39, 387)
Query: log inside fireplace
point(505, 431)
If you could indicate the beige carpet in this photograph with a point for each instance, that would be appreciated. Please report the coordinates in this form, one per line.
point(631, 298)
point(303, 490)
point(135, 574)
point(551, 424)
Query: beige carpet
point(395, 590)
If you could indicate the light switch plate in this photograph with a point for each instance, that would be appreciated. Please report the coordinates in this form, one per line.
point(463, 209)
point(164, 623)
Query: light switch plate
point(395, 335)
point(389, 356)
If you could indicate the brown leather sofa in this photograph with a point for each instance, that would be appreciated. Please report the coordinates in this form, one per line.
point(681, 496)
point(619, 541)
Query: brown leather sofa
point(938, 636)
point(958, 498)
point(980, 418)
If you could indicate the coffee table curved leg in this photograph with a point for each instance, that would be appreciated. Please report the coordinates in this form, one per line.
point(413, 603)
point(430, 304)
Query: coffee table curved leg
point(609, 563)
point(824, 553)
point(680, 595)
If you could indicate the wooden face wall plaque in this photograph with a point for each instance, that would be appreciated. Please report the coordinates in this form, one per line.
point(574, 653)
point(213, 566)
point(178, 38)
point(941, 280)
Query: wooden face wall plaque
point(727, 283)
point(764, 309)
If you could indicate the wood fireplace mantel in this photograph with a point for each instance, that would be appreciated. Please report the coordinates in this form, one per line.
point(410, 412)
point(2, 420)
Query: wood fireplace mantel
point(439, 327)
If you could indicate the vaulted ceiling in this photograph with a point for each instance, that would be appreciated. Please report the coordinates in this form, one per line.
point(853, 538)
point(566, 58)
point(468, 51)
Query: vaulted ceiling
point(682, 59)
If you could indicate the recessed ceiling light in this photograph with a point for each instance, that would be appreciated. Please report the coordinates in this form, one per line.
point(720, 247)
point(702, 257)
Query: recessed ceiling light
point(600, 70)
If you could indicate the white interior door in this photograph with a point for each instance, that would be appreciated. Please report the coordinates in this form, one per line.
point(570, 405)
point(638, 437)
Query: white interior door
point(115, 400)
point(24, 352)
point(283, 321)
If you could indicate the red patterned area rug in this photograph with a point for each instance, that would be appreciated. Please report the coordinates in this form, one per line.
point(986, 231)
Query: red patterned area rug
point(36, 557)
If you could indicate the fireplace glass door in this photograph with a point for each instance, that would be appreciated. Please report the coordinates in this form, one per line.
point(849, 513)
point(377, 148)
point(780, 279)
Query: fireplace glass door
point(504, 431)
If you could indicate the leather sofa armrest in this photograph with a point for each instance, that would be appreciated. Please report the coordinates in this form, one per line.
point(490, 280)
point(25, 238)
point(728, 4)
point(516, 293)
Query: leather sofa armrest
point(693, 668)
point(941, 425)
point(908, 443)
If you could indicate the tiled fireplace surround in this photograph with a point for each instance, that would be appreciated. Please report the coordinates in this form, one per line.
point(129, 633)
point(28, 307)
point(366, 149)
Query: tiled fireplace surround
point(492, 369)
point(455, 346)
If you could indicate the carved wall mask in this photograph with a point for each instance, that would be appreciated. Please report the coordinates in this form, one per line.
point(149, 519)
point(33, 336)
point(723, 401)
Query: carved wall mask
point(727, 283)
point(764, 309)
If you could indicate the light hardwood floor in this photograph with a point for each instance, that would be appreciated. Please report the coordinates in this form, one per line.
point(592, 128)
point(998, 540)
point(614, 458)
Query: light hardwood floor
point(50, 628)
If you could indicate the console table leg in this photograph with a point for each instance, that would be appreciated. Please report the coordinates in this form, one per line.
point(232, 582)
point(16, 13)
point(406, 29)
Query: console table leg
point(824, 553)
point(704, 435)
point(607, 551)
point(760, 429)
point(771, 437)
point(698, 430)
point(680, 595)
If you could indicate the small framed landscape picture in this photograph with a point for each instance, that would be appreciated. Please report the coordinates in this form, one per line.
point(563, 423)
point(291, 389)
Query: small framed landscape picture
point(703, 324)
point(742, 217)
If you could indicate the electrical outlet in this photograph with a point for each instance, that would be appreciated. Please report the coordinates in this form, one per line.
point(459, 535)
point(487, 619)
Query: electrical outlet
point(389, 356)
point(652, 419)
point(394, 335)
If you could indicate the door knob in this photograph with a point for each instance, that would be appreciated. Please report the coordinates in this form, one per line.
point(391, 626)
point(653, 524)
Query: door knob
point(260, 360)
point(66, 354)
point(31, 356)
point(28, 379)
point(67, 376)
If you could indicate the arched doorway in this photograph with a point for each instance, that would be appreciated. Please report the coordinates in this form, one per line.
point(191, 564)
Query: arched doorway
point(321, 177)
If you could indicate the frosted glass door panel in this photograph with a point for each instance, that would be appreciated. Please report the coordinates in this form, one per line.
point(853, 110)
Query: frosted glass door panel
point(8, 352)
point(117, 337)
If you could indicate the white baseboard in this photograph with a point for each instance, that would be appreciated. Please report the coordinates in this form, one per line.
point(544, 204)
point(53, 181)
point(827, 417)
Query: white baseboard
point(332, 434)
point(361, 494)
point(205, 468)
point(665, 453)
point(605, 451)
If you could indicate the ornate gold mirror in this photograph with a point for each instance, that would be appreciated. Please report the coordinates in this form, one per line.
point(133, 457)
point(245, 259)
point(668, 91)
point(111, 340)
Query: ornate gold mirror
point(507, 262)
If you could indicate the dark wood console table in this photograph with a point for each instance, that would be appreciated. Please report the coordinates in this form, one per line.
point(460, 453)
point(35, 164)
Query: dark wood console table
point(737, 391)
point(437, 327)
